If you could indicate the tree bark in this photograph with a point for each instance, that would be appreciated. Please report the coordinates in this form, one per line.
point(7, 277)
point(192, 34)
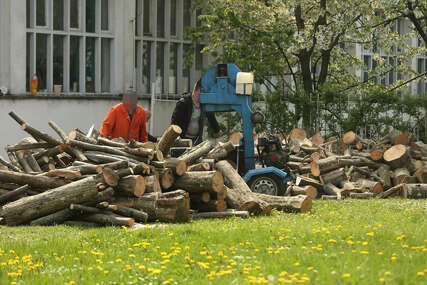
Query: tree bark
point(178, 166)
point(365, 195)
point(168, 138)
point(240, 196)
point(220, 215)
point(335, 177)
point(109, 220)
point(38, 182)
point(54, 219)
point(196, 152)
point(131, 186)
point(201, 181)
point(167, 179)
point(211, 206)
point(415, 191)
point(203, 166)
point(11, 195)
point(139, 216)
point(152, 184)
point(308, 190)
point(293, 204)
point(384, 173)
point(146, 203)
point(332, 190)
point(371, 186)
point(221, 151)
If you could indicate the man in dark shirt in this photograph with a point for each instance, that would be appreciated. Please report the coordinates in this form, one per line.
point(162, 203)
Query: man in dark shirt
point(189, 115)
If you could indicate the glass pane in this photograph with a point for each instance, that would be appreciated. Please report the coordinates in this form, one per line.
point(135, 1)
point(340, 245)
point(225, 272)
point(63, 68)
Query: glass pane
point(161, 18)
point(138, 17)
point(28, 13)
point(58, 60)
point(105, 65)
point(41, 59)
point(41, 13)
point(58, 15)
point(186, 69)
point(104, 15)
point(199, 61)
point(147, 18)
point(173, 18)
point(28, 64)
point(187, 15)
point(173, 68)
point(90, 16)
point(146, 67)
point(74, 64)
point(159, 67)
point(90, 65)
point(198, 13)
point(74, 14)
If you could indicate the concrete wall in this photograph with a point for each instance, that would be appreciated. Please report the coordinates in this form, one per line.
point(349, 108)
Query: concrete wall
point(4, 43)
point(68, 114)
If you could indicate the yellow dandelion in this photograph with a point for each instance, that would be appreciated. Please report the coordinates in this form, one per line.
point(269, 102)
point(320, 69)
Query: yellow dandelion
point(72, 282)
point(393, 258)
point(310, 268)
point(421, 273)
point(297, 264)
point(387, 273)
point(364, 252)
point(381, 280)
point(371, 234)
point(332, 241)
point(346, 275)
point(380, 253)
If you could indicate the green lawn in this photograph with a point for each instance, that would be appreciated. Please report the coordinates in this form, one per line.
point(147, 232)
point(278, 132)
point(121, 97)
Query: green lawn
point(347, 242)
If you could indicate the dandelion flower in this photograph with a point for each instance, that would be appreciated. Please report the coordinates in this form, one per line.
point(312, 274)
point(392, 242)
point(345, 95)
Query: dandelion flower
point(346, 275)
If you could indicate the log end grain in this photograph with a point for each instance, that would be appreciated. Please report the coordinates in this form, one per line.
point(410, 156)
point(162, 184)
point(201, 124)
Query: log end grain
point(376, 155)
point(315, 169)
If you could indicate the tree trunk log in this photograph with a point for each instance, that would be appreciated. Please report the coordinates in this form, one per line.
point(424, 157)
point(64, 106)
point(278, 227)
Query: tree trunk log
point(13, 194)
point(335, 177)
point(105, 149)
point(139, 216)
point(400, 175)
point(332, 190)
point(308, 190)
point(110, 220)
point(178, 166)
point(220, 215)
point(64, 173)
point(29, 208)
point(146, 203)
point(168, 138)
point(328, 197)
point(131, 186)
point(293, 204)
point(203, 166)
point(142, 169)
point(152, 184)
point(392, 191)
point(371, 186)
point(167, 179)
point(240, 196)
point(211, 206)
point(39, 135)
point(201, 181)
point(203, 197)
point(397, 156)
point(304, 181)
point(365, 195)
point(220, 151)
point(196, 152)
point(54, 218)
point(384, 173)
point(38, 182)
point(76, 135)
point(415, 191)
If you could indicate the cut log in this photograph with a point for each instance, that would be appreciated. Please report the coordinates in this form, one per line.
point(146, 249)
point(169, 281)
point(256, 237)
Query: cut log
point(220, 215)
point(39, 135)
point(328, 197)
point(304, 181)
point(371, 186)
point(415, 191)
point(51, 151)
point(317, 138)
point(9, 165)
point(201, 181)
point(211, 206)
point(209, 161)
point(139, 216)
point(168, 138)
point(400, 175)
point(221, 151)
point(131, 186)
point(178, 166)
point(152, 183)
point(384, 173)
point(54, 219)
point(146, 203)
point(203, 166)
point(110, 220)
point(108, 142)
point(297, 166)
point(167, 179)
point(125, 172)
point(324, 165)
point(29, 208)
point(392, 191)
point(38, 182)
point(298, 134)
point(110, 177)
point(76, 135)
point(179, 142)
point(351, 138)
point(397, 156)
point(335, 177)
point(64, 173)
point(240, 196)
point(144, 152)
point(11, 195)
point(293, 204)
point(200, 198)
point(142, 169)
point(81, 209)
point(196, 152)
point(390, 138)
point(308, 190)
point(365, 195)
point(309, 149)
point(333, 190)
point(421, 175)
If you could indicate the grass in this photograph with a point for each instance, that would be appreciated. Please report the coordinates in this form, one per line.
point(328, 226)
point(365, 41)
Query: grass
point(347, 242)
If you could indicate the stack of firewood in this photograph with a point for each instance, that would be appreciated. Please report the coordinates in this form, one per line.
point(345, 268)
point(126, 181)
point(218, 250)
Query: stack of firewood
point(87, 178)
point(355, 167)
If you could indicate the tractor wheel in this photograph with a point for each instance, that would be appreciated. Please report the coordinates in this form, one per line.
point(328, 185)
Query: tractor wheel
point(266, 184)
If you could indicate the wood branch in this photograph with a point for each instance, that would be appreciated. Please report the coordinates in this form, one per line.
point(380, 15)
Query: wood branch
point(9, 165)
point(203, 166)
point(415, 191)
point(179, 142)
point(351, 138)
point(18, 119)
point(390, 138)
point(221, 151)
point(110, 220)
point(13, 160)
point(144, 152)
point(152, 183)
point(51, 151)
point(200, 181)
point(168, 138)
point(78, 136)
point(12, 195)
point(29, 208)
point(29, 146)
point(293, 204)
point(54, 219)
point(197, 151)
point(64, 173)
point(139, 216)
point(82, 209)
point(167, 179)
point(39, 135)
point(365, 195)
point(107, 142)
point(220, 215)
point(132, 186)
point(328, 197)
point(146, 203)
point(209, 161)
point(239, 195)
point(38, 182)
point(332, 190)
point(125, 172)
point(23, 162)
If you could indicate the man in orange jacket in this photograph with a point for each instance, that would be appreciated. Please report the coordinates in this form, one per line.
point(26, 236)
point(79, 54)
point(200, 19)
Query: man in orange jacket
point(126, 120)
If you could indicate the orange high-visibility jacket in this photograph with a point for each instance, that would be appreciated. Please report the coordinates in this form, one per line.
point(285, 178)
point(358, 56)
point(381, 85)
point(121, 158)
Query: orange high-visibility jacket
point(117, 124)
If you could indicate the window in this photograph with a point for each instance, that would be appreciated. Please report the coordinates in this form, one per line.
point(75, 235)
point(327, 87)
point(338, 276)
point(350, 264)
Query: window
point(138, 17)
point(187, 15)
point(74, 14)
point(186, 69)
point(173, 68)
point(71, 58)
point(146, 69)
point(161, 18)
point(147, 18)
point(173, 19)
point(160, 67)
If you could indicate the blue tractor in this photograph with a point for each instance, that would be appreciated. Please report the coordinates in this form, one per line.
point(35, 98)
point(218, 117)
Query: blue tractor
point(225, 88)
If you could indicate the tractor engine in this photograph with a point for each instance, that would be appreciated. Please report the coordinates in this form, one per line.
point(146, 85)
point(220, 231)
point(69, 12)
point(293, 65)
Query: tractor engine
point(271, 153)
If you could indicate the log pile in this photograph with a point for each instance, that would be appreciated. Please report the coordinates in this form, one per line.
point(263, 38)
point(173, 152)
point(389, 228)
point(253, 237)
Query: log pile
point(85, 178)
point(358, 168)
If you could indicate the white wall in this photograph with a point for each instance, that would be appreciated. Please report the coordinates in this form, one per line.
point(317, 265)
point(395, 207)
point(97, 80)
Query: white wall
point(68, 114)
